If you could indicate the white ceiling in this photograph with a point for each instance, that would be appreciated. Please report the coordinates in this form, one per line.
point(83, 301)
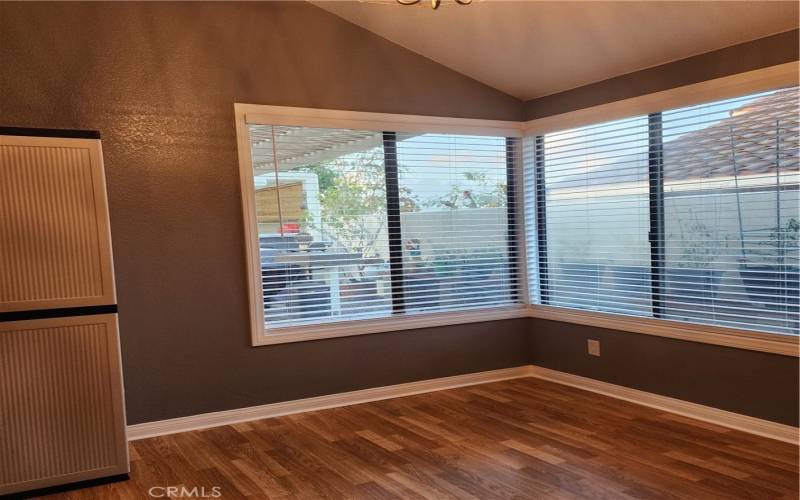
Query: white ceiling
point(531, 49)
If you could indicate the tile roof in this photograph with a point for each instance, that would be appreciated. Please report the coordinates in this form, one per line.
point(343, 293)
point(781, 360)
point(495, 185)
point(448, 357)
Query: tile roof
point(747, 136)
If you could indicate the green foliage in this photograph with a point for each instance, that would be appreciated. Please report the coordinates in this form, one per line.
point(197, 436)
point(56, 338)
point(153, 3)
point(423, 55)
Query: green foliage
point(326, 176)
point(352, 194)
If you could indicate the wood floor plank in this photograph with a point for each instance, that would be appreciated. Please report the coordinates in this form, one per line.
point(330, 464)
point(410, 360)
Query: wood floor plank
point(523, 438)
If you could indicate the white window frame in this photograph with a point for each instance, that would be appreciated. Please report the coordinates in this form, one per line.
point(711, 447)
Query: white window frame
point(250, 114)
point(720, 88)
point(712, 90)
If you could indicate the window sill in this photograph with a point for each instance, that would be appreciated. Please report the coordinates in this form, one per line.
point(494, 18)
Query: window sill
point(387, 324)
point(707, 334)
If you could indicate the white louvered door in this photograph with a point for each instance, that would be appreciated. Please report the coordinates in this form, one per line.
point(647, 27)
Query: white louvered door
point(62, 415)
point(61, 408)
point(55, 243)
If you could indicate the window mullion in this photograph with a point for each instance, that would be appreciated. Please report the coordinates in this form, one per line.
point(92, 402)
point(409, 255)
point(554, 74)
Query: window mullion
point(656, 233)
point(393, 221)
point(541, 220)
point(511, 207)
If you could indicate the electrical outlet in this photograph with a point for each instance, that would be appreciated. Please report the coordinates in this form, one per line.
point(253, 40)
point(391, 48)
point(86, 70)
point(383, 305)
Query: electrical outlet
point(594, 347)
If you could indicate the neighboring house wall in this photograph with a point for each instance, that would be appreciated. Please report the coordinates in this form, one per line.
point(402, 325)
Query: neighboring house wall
point(573, 240)
point(471, 228)
point(273, 207)
point(307, 200)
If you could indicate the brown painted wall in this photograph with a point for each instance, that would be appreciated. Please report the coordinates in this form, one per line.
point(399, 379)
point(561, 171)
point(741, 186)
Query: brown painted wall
point(159, 82)
point(752, 383)
point(761, 53)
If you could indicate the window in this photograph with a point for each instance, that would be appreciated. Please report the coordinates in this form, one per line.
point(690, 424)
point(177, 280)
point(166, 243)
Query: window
point(454, 219)
point(320, 204)
point(360, 224)
point(690, 214)
point(594, 199)
point(685, 215)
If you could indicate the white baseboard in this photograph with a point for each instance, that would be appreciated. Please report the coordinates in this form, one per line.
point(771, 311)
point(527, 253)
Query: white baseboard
point(205, 420)
point(724, 418)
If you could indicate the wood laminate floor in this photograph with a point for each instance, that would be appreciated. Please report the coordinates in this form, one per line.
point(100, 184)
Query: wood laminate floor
point(522, 438)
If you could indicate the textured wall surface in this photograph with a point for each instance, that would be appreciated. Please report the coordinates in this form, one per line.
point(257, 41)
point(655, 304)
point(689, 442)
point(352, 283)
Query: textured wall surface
point(159, 82)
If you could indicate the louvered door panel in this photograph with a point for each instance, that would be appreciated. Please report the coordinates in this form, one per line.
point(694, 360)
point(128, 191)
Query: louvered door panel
point(54, 235)
point(61, 406)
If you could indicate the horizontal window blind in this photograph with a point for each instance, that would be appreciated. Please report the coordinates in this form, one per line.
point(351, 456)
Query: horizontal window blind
point(731, 212)
point(689, 214)
point(364, 224)
point(457, 222)
point(320, 203)
point(595, 209)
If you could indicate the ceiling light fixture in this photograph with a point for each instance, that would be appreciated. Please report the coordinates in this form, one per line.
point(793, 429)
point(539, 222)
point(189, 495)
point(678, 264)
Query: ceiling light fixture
point(434, 3)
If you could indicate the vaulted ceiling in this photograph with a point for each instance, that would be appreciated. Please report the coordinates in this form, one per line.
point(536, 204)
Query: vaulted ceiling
point(532, 49)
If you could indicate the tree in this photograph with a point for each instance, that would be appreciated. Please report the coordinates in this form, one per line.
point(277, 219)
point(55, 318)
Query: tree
point(352, 192)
